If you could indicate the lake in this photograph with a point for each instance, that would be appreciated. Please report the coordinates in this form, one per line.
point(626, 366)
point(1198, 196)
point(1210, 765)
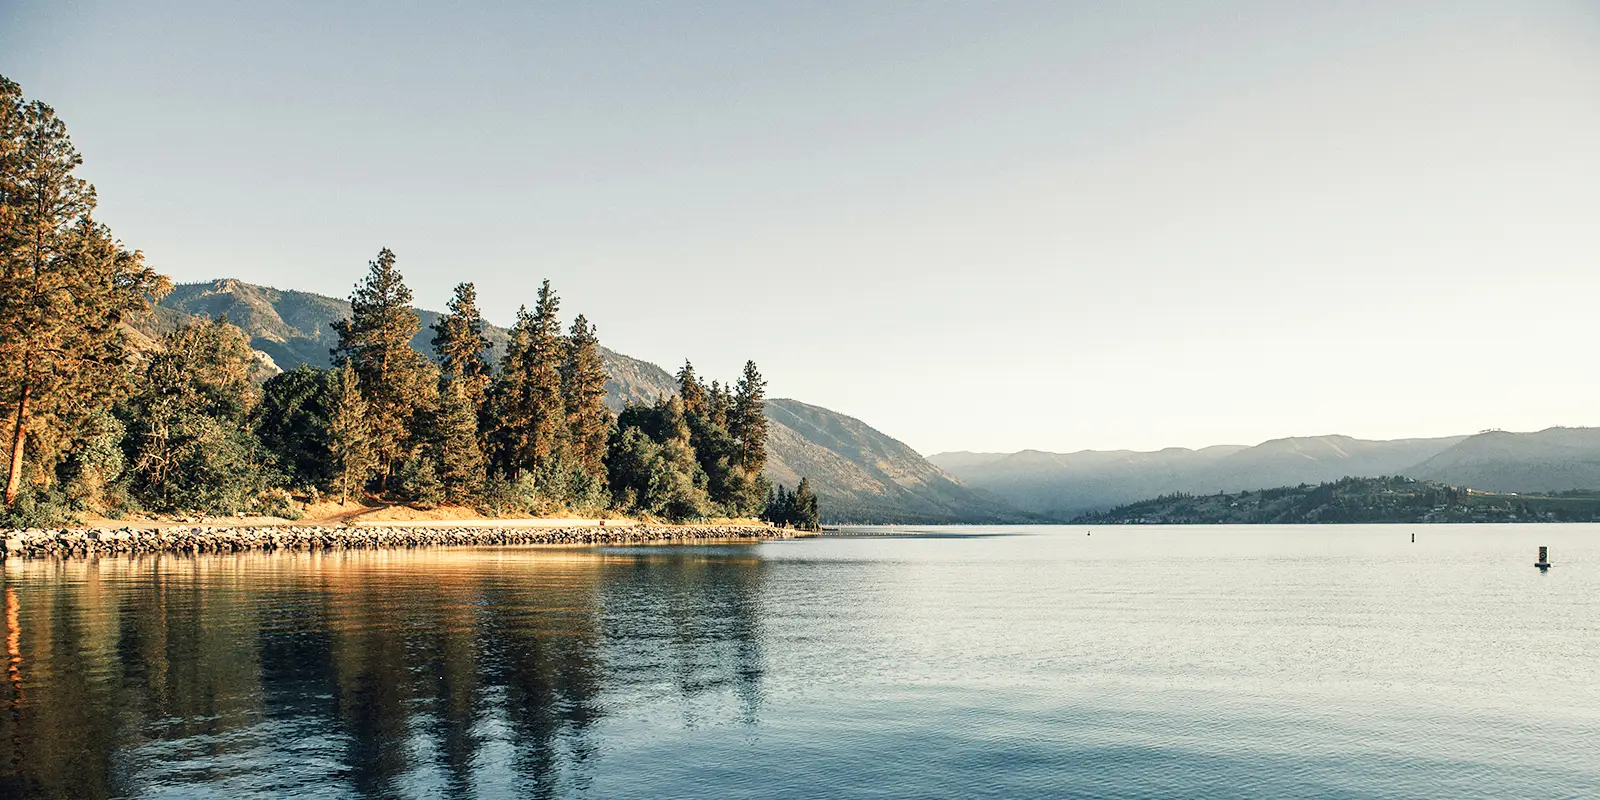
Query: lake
point(1120, 662)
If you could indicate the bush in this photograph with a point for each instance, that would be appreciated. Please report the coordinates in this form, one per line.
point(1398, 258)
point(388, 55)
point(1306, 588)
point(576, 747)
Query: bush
point(37, 510)
point(419, 482)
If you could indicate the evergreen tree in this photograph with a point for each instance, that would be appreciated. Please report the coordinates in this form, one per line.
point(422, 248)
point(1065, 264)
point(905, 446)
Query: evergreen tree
point(461, 345)
point(461, 470)
point(193, 444)
point(583, 384)
point(798, 509)
point(350, 441)
point(662, 478)
point(691, 390)
point(396, 381)
point(528, 410)
point(803, 504)
point(507, 418)
point(292, 423)
point(748, 422)
point(777, 509)
point(636, 470)
point(65, 287)
point(719, 405)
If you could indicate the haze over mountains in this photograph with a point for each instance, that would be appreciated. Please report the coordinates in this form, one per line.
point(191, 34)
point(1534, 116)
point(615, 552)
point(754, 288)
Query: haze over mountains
point(1064, 485)
point(860, 474)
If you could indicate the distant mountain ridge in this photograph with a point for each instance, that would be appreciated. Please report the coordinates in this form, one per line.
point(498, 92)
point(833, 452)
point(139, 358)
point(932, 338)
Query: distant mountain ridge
point(860, 474)
point(1067, 485)
point(1554, 459)
point(1064, 485)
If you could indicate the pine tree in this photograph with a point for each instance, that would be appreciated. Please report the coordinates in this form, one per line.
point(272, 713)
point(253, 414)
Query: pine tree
point(719, 405)
point(461, 345)
point(460, 470)
point(583, 385)
point(396, 381)
point(527, 409)
point(691, 390)
point(661, 478)
point(778, 509)
point(748, 422)
point(805, 508)
point(350, 441)
point(65, 287)
point(507, 418)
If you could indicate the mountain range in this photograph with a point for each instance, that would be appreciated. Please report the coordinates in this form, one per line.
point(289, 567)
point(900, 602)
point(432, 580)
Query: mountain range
point(1065, 485)
point(864, 475)
point(859, 473)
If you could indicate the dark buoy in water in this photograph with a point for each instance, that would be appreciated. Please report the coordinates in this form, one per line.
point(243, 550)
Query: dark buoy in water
point(1544, 559)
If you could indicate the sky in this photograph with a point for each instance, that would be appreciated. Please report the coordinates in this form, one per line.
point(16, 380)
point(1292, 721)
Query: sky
point(981, 226)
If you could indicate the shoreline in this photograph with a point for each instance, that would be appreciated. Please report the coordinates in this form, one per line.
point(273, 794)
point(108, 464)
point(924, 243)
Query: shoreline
point(210, 539)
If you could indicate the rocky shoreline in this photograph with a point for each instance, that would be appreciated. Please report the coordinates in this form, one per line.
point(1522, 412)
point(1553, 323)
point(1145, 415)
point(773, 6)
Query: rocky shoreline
point(191, 539)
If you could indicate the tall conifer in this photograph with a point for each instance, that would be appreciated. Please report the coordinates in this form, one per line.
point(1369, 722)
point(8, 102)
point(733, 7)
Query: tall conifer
point(461, 345)
point(508, 418)
point(350, 441)
point(528, 410)
point(691, 390)
point(583, 383)
point(65, 287)
point(805, 514)
point(748, 423)
point(460, 470)
point(395, 379)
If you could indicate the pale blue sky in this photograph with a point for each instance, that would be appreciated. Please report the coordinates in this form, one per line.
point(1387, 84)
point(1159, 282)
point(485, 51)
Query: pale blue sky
point(982, 226)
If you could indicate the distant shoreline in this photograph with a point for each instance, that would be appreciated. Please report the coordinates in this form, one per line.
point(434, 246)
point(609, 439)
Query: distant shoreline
point(209, 539)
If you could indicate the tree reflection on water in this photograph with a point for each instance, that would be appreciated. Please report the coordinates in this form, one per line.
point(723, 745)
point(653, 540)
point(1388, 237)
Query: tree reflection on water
point(373, 674)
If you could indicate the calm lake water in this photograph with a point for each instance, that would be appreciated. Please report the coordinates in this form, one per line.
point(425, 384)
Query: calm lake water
point(971, 662)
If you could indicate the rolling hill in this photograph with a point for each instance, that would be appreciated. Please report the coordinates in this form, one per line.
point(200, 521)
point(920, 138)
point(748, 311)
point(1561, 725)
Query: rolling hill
point(1553, 459)
point(1066, 485)
point(860, 474)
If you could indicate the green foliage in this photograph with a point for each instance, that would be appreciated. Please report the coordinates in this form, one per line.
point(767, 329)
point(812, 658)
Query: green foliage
point(88, 428)
point(193, 447)
point(455, 443)
point(38, 509)
point(652, 465)
point(690, 390)
point(797, 509)
point(66, 285)
point(748, 419)
point(418, 480)
point(1353, 501)
point(352, 455)
point(292, 423)
point(461, 345)
point(731, 465)
point(397, 382)
point(92, 477)
point(583, 387)
point(527, 410)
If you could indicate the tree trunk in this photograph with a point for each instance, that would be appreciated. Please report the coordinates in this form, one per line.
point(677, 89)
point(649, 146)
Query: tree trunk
point(18, 437)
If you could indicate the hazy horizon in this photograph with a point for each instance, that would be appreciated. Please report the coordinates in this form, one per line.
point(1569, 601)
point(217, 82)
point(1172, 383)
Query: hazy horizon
point(983, 228)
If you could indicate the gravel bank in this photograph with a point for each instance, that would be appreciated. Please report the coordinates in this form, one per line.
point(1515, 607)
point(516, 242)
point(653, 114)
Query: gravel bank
point(79, 542)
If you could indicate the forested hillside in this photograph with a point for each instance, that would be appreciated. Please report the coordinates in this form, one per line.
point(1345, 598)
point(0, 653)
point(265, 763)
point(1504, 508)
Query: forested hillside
point(860, 474)
point(1351, 501)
